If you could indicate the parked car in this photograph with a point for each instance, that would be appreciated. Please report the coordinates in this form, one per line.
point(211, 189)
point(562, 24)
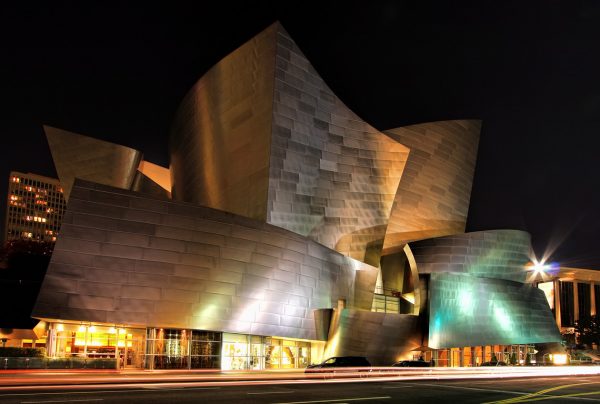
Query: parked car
point(499, 363)
point(340, 362)
point(412, 364)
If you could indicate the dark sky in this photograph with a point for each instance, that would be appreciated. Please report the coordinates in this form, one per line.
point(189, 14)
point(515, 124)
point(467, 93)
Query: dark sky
point(529, 69)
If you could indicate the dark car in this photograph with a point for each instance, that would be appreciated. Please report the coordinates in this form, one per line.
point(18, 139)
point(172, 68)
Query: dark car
point(412, 364)
point(340, 362)
point(499, 363)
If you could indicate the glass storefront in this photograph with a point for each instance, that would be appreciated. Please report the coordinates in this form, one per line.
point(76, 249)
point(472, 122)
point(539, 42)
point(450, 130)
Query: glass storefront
point(183, 349)
point(166, 348)
point(253, 352)
point(97, 342)
point(242, 352)
point(286, 354)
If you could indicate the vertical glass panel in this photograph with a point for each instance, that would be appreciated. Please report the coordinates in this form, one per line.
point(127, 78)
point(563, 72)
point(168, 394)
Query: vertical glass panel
point(566, 304)
point(584, 299)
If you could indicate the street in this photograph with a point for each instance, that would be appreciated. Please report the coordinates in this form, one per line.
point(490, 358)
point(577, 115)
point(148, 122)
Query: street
point(500, 390)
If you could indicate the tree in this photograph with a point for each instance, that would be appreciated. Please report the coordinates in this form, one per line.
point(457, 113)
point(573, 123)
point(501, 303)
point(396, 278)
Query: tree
point(24, 265)
point(587, 330)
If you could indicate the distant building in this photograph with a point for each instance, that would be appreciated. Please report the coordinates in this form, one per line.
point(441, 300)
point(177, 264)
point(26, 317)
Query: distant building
point(34, 208)
point(572, 293)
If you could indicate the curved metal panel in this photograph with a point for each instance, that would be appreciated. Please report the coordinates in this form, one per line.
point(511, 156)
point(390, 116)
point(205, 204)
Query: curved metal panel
point(435, 189)
point(333, 177)
point(159, 175)
point(469, 311)
point(127, 258)
point(383, 338)
point(220, 139)
point(261, 135)
point(500, 254)
point(78, 156)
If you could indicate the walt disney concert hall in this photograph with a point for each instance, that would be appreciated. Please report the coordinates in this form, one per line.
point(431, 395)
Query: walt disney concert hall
point(286, 230)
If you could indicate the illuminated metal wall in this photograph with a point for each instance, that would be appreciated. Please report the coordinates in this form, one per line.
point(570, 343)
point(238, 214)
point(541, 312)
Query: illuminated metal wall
point(333, 177)
point(500, 254)
point(78, 156)
point(261, 135)
point(130, 259)
point(435, 189)
point(382, 337)
point(470, 311)
point(220, 139)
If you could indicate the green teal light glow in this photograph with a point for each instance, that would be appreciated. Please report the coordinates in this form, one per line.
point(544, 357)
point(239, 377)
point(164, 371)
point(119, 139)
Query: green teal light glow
point(466, 302)
point(502, 318)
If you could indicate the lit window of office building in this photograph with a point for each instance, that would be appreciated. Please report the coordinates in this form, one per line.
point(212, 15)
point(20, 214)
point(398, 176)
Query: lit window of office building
point(34, 209)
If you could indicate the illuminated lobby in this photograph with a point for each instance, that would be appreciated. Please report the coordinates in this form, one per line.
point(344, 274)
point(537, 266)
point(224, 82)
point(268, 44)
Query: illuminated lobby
point(285, 230)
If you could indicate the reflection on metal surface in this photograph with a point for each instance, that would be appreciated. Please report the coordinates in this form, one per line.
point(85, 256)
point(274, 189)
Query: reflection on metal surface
point(78, 156)
point(469, 311)
point(127, 258)
point(500, 254)
point(147, 186)
point(261, 135)
point(160, 175)
point(381, 337)
point(220, 139)
point(433, 195)
point(333, 176)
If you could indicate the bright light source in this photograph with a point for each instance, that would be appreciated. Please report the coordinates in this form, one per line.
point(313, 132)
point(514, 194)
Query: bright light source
point(559, 359)
point(60, 327)
point(541, 267)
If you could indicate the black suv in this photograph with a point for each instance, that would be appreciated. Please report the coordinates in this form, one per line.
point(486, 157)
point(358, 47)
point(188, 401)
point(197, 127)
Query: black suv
point(340, 362)
point(412, 364)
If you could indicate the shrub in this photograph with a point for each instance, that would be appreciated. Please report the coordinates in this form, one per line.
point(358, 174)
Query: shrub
point(15, 352)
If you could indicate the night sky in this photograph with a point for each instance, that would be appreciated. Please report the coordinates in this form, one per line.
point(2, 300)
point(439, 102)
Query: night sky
point(530, 70)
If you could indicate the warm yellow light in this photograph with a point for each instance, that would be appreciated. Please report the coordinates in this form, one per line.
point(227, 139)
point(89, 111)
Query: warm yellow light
point(81, 328)
point(559, 359)
point(112, 330)
point(122, 331)
point(92, 329)
point(60, 327)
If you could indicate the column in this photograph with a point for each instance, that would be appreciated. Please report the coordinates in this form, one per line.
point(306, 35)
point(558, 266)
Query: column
point(51, 341)
point(592, 299)
point(575, 302)
point(557, 292)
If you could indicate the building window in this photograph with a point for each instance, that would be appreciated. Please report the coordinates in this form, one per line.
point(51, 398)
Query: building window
point(567, 315)
point(385, 304)
point(584, 300)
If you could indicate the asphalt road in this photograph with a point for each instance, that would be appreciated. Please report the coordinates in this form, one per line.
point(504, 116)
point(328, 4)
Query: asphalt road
point(544, 389)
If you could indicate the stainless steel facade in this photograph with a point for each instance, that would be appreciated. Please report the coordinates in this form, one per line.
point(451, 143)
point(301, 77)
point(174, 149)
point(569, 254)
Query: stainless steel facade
point(500, 254)
point(271, 141)
point(126, 258)
point(286, 207)
point(433, 196)
point(78, 156)
point(468, 310)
